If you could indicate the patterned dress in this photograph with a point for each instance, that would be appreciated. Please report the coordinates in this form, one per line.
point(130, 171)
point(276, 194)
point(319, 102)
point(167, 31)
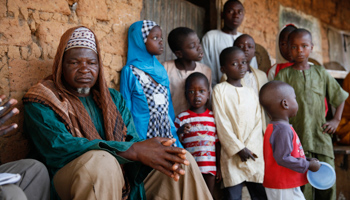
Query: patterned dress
point(157, 99)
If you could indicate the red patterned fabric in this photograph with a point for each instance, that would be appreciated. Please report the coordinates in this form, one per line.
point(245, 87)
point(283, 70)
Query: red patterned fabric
point(200, 142)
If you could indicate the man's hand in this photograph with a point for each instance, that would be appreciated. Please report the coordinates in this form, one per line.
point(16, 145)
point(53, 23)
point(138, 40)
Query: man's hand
point(245, 154)
point(176, 165)
point(158, 154)
point(330, 126)
point(6, 113)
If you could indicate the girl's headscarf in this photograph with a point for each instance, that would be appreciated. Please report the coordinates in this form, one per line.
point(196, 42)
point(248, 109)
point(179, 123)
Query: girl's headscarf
point(138, 55)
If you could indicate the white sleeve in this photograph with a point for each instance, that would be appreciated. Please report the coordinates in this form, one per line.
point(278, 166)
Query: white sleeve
point(228, 139)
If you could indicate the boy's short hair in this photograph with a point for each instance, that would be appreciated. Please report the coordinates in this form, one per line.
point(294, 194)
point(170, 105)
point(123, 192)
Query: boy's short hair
point(193, 76)
point(226, 52)
point(176, 37)
point(243, 35)
point(298, 31)
point(272, 93)
point(230, 1)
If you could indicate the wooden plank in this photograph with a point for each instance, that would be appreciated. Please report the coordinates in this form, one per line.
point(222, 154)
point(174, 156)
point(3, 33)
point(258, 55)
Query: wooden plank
point(150, 10)
point(176, 14)
point(341, 149)
point(182, 14)
point(162, 22)
point(170, 14)
point(189, 15)
point(171, 18)
point(342, 162)
point(194, 17)
point(337, 73)
point(168, 25)
point(200, 20)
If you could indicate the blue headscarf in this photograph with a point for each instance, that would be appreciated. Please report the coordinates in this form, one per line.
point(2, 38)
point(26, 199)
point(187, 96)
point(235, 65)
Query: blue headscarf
point(138, 55)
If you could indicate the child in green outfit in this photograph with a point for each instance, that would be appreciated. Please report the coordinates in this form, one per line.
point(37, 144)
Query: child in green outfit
point(312, 84)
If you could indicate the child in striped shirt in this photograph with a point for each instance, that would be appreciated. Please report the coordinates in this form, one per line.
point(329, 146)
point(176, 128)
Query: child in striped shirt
point(196, 129)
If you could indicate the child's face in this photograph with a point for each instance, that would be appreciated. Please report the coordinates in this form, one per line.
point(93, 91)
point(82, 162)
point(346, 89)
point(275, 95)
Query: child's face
point(233, 15)
point(154, 43)
point(300, 46)
point(191, 48)
point(197, 93)
point(293, 104)
point(235, 66)
point(247, 45)
point(283, 45)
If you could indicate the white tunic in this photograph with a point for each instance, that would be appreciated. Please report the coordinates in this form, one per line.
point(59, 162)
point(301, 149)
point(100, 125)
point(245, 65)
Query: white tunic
point(238, 121)
point(213, 42)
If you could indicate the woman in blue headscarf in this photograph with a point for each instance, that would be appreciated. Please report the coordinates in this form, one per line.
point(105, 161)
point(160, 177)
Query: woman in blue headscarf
point(144, 83)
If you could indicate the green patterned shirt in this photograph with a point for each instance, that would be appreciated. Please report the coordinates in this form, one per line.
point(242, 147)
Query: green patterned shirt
point(311, 87)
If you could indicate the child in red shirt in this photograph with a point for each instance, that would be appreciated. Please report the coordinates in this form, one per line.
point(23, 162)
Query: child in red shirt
point(197, 130)
point(285, 162)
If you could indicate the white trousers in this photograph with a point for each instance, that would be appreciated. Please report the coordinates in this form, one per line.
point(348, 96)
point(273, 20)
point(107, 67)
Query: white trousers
point(285, 194)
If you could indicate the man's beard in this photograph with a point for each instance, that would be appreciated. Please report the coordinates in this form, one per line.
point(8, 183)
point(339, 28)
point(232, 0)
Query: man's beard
point(83, 90)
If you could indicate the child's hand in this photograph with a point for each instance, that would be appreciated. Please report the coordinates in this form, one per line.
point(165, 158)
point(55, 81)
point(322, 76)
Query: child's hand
point(245, 154)
point(184, 129)
point(187, 128)
point(218, 176)
point(330, 126)
point(314, 165)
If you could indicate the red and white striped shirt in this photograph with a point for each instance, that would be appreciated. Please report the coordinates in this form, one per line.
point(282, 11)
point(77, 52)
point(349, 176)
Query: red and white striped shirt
point(200, 142)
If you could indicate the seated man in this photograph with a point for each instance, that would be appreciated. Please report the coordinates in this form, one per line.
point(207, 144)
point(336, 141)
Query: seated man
point(34, 183)
point(86, 135)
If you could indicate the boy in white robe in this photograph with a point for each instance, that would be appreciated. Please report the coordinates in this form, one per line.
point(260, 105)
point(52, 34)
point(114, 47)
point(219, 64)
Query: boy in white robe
point(239, 126)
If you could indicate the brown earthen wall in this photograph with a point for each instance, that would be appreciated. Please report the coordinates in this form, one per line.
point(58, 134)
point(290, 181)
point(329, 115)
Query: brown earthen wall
point(30, 32)
point(29, 35)
point(261, 19)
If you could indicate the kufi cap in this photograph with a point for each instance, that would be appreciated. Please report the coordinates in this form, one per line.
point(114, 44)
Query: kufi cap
point(82, 37)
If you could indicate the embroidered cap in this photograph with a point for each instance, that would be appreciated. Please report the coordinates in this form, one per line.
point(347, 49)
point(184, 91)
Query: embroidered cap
point(82, 37)
point(146, 28)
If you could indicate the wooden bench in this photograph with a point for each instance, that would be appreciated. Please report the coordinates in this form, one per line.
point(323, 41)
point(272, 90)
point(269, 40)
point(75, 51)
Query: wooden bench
point(342, 165)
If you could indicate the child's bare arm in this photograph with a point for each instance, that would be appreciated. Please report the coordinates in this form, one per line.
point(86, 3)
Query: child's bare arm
point(218, 157)
point(331, 125)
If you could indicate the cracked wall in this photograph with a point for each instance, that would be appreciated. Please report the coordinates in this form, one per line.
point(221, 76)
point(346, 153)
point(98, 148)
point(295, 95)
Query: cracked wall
point(31, 29)
point(29, 36)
